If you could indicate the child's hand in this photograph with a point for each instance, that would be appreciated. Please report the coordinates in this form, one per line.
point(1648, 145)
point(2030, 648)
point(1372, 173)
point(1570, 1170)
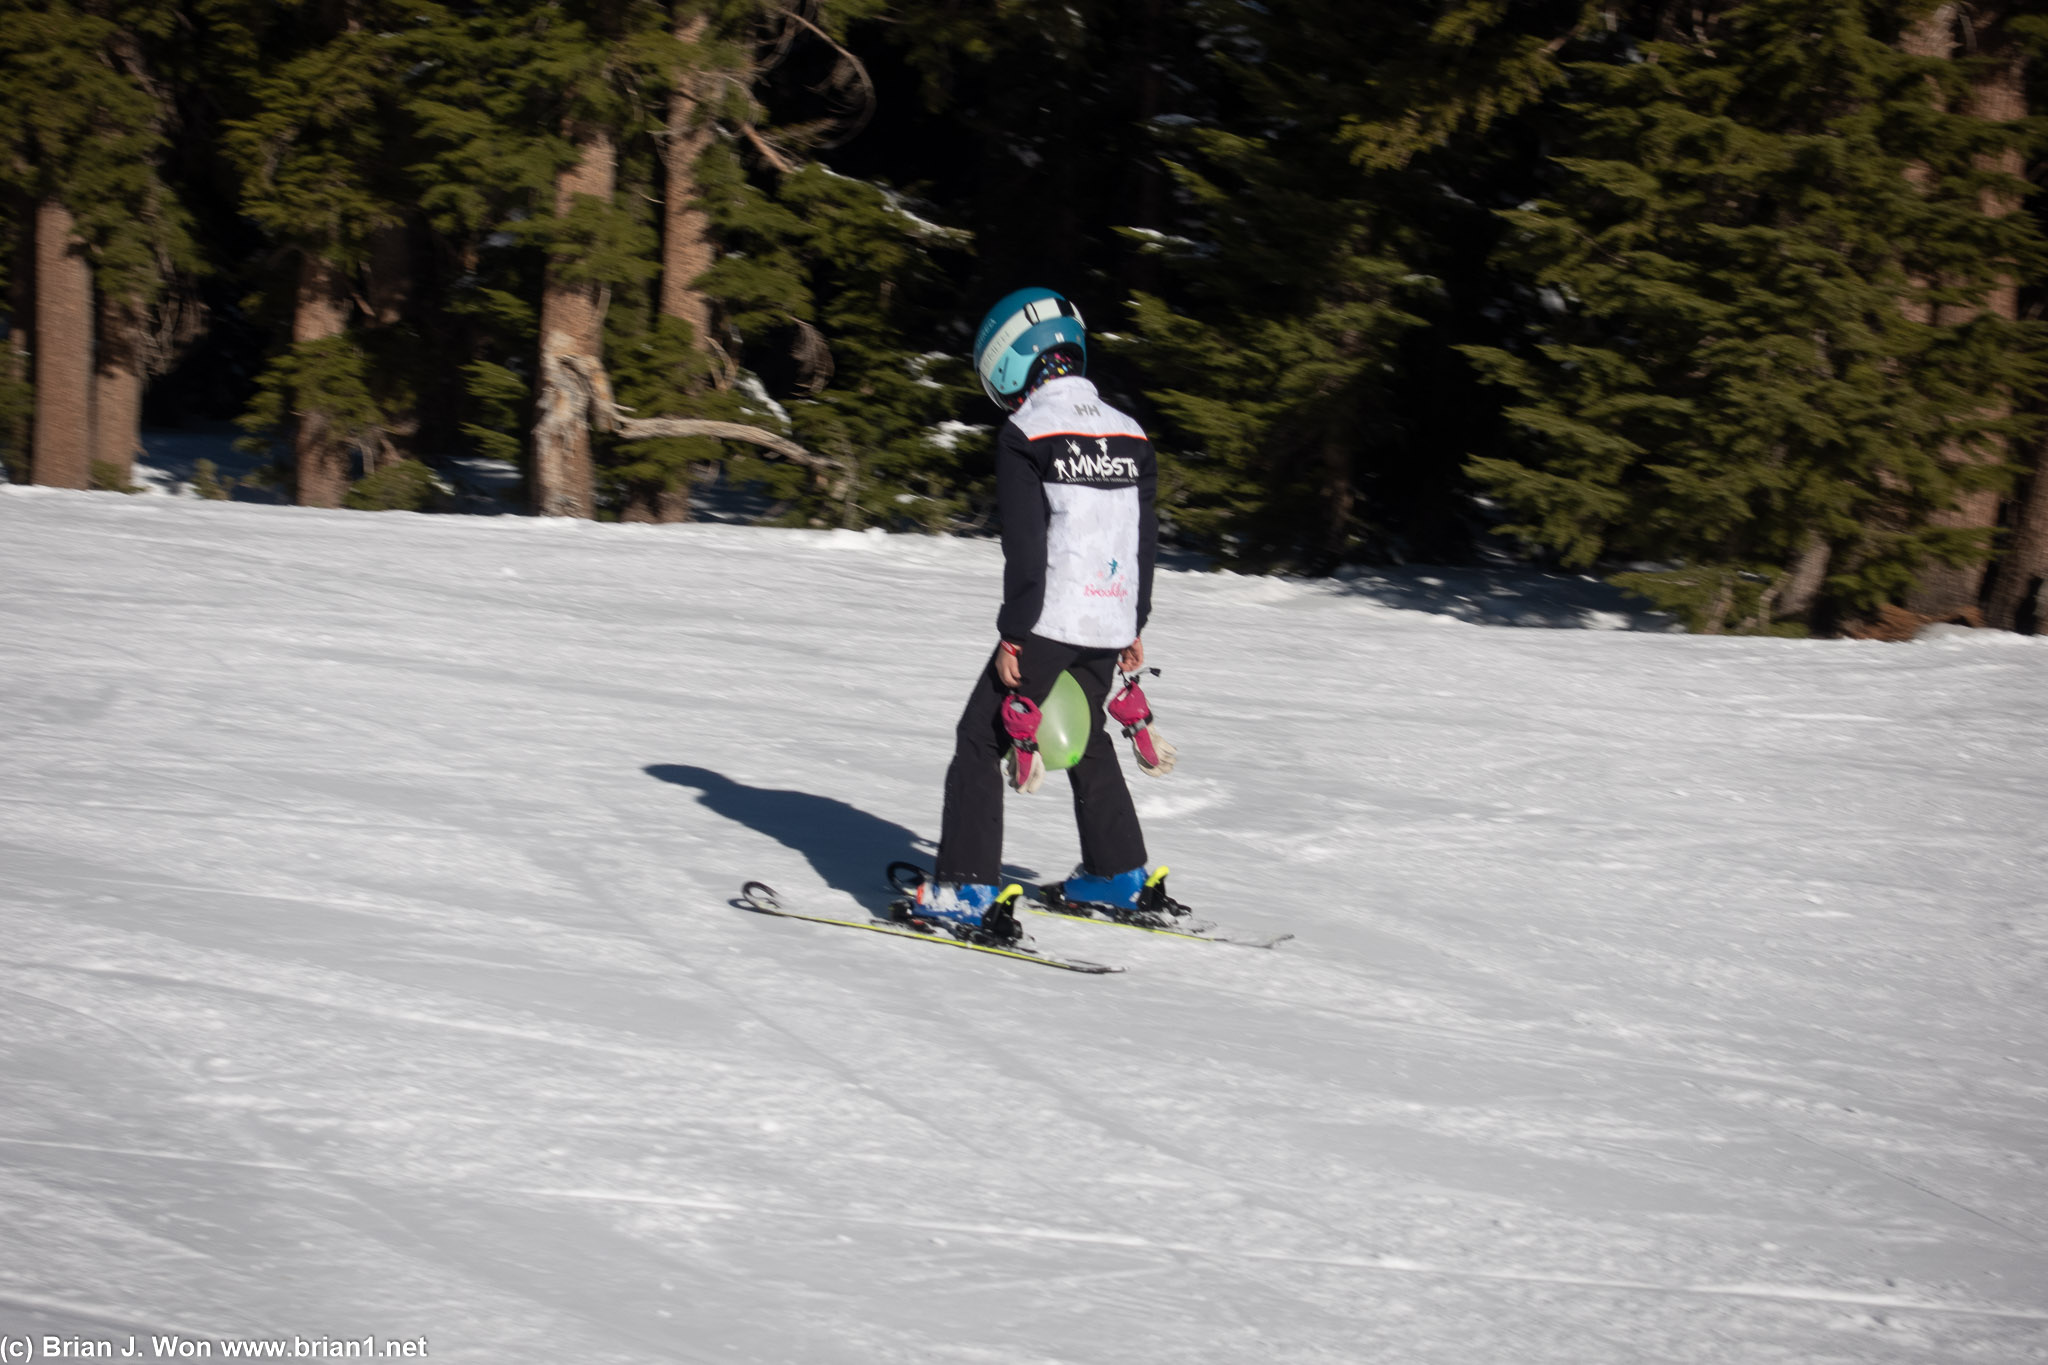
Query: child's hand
point(1007, 669)
point(1133, 658)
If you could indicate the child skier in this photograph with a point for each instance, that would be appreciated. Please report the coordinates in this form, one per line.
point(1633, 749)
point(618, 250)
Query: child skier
point(1075, 482)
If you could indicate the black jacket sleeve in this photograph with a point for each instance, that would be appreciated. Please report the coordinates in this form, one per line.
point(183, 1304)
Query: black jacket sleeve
point(1020, 503)
point(1148, 531)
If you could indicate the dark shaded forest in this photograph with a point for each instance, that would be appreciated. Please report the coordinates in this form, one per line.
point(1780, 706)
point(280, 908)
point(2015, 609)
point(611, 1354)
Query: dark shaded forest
point(1737, 304)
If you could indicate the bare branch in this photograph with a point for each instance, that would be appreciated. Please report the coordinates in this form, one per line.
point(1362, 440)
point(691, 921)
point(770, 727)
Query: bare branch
point(604, 414)
point(768, 153)
point(645, 428)
point(778, 52)
point(868, 99)
point(813, 356)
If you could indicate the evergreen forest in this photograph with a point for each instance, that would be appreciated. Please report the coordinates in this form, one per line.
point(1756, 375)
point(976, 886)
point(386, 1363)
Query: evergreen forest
point(1737, 303)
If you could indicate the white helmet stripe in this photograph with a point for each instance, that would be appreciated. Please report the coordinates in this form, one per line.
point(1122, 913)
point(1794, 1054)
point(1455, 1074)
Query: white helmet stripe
point(999, 344)
point(1045, 310)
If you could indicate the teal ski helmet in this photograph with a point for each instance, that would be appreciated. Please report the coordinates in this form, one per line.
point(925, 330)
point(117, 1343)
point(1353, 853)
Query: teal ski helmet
point(1016, 332)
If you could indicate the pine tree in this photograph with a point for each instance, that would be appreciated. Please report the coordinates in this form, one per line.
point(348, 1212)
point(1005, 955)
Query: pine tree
point(2018, 597)
point(527, 119)
point(827, 259)
point(139, 262)
point(80, 140)
point(594, 246)
point(1036, 129)
point(672, 363)
point(486, 112)
point(538, 144)
point(1282, 366)
point(17, 395)
point(1993, 61)
point(1746, 365)
point(321, 151)
point(822, 281)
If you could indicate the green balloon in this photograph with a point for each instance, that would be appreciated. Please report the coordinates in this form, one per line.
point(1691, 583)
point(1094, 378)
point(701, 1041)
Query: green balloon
point(1065, 724)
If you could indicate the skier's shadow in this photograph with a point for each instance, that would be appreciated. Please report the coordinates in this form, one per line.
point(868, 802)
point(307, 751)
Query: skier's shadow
point(847, 847)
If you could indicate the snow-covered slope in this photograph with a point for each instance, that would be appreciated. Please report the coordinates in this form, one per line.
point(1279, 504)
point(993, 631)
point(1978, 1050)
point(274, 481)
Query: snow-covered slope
point(367, 968)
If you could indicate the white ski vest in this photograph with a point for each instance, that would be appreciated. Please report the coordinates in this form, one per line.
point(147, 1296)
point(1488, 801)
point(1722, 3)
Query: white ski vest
point(1076, 481)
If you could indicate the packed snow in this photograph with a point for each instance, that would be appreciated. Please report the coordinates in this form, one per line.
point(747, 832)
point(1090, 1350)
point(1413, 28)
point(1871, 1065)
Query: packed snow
point(369, 967)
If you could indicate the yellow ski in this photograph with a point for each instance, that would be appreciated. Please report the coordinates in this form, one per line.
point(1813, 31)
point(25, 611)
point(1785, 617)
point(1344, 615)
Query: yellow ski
point(762, 899)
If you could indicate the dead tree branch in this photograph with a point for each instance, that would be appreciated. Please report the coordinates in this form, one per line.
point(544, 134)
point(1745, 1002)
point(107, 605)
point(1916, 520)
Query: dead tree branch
point(781, 163)
point(604, 414)
point(867, 99)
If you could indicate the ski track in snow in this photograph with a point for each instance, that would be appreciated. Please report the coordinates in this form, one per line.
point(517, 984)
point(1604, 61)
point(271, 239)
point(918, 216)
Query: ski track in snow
point(369, 967)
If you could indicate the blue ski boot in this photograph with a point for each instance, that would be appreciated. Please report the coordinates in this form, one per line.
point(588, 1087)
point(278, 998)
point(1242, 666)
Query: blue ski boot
point(975, 911)
point(1118, 893)
point(1132, 897)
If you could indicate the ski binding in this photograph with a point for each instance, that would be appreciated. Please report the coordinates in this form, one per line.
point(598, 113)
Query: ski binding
point(1155, 913)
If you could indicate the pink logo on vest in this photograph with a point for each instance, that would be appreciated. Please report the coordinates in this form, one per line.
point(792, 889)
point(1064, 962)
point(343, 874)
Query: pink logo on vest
point(1108, 583)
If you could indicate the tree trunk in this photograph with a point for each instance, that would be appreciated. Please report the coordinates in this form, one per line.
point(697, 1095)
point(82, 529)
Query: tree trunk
point(63, 354)
point(686, 249)
point(388, 277)
point(1800, 588)
point(14, 435)
point(388, 286)
point(16, 426)
point(1999, 95)
point(1341, 497)
point(1932, 36)
point(117, 390)
point(686, 230)
point(571, 325)
point(320, 461)
point(2019, 592)
point(657, 504)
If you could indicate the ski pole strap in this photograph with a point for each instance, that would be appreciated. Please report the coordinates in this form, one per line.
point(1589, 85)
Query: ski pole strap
point(1012, 648)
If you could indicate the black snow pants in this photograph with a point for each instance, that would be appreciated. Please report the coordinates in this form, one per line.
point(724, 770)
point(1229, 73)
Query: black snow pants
point(971, 832)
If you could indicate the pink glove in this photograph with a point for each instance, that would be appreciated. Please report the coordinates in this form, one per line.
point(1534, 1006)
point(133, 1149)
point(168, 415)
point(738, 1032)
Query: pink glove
point(1020, 719)
point(1129, 709)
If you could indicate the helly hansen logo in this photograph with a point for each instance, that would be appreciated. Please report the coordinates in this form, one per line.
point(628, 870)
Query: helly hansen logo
point(1094, 466)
